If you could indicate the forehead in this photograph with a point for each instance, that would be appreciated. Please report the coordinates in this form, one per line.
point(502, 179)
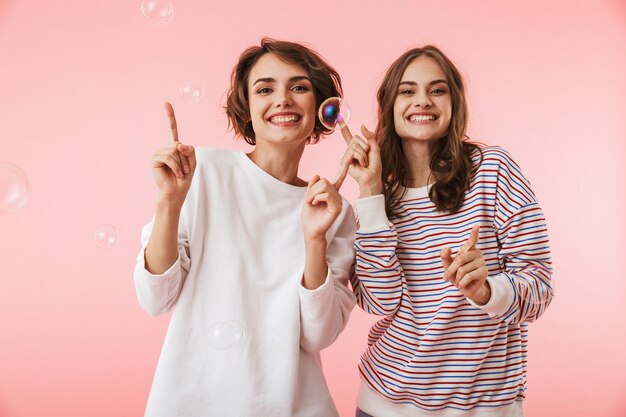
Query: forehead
point(423, 69)
point(272, 66)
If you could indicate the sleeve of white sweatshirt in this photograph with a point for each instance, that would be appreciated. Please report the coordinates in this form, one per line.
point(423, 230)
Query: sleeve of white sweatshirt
point(157, 294)
point(324, 311)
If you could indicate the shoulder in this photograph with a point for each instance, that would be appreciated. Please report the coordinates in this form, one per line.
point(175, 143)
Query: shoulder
point(497, 153)
point(495, 157)
point(215, 156)
point(499, 167)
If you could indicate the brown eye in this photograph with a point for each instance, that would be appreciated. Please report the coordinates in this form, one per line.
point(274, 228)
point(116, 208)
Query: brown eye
point(300, 88)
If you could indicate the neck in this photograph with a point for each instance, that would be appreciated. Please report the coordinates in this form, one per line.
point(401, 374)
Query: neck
point(418, 156)
point(280, 161)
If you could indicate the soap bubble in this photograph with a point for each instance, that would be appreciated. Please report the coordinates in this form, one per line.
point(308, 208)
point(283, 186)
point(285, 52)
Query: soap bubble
point(191, 92)
point(13, 187)
point(106, 236)
point(157, 11)
point(227, 334)
point(333, 111)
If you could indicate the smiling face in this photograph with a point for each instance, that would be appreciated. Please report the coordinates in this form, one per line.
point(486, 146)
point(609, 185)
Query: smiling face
point(281, 101)
point(423, 105)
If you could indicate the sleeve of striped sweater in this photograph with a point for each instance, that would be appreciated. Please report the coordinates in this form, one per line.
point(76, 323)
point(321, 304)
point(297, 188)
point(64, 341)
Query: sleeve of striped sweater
point(378, 281)
point(523, 290)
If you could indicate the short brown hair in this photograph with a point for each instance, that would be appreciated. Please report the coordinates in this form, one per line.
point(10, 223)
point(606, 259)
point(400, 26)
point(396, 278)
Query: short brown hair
point(325, 80)
point(451, 162)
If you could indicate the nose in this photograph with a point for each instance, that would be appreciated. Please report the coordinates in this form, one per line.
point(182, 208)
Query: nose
point(422, 99)
point(283, 99)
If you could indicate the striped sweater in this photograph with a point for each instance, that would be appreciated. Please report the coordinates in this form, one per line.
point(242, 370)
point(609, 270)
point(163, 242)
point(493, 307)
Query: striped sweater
point(435, 349)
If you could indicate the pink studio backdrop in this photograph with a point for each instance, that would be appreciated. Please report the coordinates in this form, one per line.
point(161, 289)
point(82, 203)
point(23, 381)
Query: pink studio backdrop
point(81, 91)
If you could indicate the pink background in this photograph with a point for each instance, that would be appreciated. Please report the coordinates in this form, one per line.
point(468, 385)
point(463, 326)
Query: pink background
point(81, 91)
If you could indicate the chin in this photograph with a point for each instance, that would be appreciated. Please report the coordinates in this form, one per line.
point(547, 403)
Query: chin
point(288, 139)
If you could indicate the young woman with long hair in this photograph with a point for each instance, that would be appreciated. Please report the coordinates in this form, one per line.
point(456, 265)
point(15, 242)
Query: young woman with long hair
point(452, 250)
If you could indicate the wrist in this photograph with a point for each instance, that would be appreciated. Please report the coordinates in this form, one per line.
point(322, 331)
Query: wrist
point(168, 205)
point(315, 242)
point(483, 295)
point(368, 190)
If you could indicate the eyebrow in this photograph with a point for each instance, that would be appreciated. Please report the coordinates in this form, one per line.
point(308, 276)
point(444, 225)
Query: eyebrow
point(272, 80)
point(413, 83)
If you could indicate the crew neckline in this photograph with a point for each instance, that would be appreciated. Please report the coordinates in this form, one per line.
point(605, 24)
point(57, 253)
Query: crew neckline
point(421, 192)
point(265, 176)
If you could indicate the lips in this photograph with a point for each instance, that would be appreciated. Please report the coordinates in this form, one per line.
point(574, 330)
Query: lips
point(422, 117)
point(282, 118)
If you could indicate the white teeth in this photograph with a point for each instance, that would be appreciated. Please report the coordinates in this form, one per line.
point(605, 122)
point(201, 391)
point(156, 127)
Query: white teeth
point(285, 119)
point(421, 117)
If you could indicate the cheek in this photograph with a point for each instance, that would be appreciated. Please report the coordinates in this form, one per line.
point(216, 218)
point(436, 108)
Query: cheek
point(311, 106)
point(310, 109)
point(253, 106)
point(398, 111)
point(445, 107)
point(256, 115)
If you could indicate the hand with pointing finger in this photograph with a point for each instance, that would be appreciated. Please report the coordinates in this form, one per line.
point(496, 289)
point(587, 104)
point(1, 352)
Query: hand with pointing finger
point(174, 165)
point(363, 160)
point(322, 206)
point(467, 270)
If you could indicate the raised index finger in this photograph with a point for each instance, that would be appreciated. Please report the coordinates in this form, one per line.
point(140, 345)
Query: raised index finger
point(172, 120)
point(473, 239)
point(345, 131)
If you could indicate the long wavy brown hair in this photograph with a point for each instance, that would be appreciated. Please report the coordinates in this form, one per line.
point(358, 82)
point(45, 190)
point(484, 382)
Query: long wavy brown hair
point(451, 162)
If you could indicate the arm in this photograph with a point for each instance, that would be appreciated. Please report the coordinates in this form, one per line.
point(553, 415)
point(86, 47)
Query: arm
point(163, 261)
point(162, 249)
point(523, 290)
point(379, 281)
point(157, 292)
point(325, 308)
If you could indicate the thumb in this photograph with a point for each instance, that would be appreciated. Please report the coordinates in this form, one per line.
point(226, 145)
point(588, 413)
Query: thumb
point(309, 187)
point(186, 150)
point(371, 138)
point(313, 180)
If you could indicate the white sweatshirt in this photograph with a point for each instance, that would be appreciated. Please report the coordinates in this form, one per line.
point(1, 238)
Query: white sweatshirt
point(245, 336)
